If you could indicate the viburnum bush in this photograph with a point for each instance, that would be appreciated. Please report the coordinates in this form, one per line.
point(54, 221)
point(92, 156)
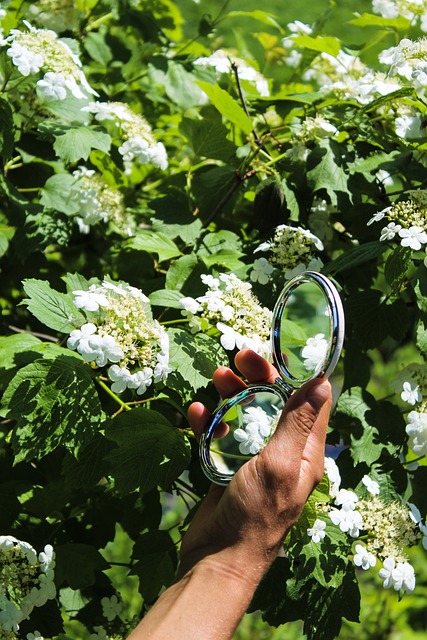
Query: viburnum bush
point(166, 167)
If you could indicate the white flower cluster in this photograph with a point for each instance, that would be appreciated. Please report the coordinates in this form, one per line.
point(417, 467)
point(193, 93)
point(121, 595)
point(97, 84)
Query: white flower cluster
point(258, 426)
point(412, 385)
point(26, 581)
point(232, 308)
point(96, 201)
point(309, 129)
point(121, 331)
point(41, 51)
point(407, 220)
point(292, 250)
point(410, 9)
point(389, 528)
point(409, 61)
point(222, 61)
point(138, 144)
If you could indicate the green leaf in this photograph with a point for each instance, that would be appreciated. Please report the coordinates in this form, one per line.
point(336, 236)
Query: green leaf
point(180, 271)
point(215, 190)
point(156, 562)
point(268, 203)
point(54, 309)
point(353, 409)
point(374, 318)
point(396, 267)
point(10, 346)
point(56, 193)
point(228, 258)
point(181, 87)
point(6, 129)
point(324, 172)
point(174, 218)
point(208, 139)
point(323, 44)
point(371, 20)
point(166, 298)
point(259, 15)
point(356, 256)
point(76, 143)
point(227, 106)
point(421, 337)
point(193, 359)
point(54, 403)
point(155, 242)
point(150, 451)
point(77, 565)
point(97, 48)
point(87, 469)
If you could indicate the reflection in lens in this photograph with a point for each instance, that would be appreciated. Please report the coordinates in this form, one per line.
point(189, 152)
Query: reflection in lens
point(251, 424)
point(314, 352)
point(305, 331)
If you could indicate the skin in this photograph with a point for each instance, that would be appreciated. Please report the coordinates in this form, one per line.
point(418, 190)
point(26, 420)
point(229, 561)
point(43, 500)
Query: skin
point(239, 529)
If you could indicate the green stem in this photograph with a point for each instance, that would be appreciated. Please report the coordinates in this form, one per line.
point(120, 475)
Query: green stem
point(179, 321)
point(100, 21)
point(113, 395)
point(408, 462)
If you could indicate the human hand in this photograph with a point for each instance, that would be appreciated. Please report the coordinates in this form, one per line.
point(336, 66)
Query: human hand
point(251, 516)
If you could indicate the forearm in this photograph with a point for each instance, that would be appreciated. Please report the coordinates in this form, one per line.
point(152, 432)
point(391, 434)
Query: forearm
point(207, 602)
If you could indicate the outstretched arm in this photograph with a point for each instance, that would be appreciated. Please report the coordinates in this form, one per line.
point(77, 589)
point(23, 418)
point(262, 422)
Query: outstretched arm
point(238, 530)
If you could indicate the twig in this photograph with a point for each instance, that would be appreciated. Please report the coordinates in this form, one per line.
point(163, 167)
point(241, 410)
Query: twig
point(242, 100)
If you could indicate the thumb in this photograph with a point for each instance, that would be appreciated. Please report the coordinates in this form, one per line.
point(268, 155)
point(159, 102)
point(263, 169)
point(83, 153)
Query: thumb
point(305, 417)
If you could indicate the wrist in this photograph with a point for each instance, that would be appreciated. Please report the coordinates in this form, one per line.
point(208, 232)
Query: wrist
point(240, 565)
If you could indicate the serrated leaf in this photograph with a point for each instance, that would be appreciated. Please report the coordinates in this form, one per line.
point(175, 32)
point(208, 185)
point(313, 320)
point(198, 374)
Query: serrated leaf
point(156, 561)
point(54, 403)
point(374, 318)
point(396, 267)
point(54, 309)
point(208, 139)
point(352, 411)
point(193, 359)
point(227, 106)
point(150, 451)
point(356, 256)
point(89, 466)
point(76, 143)
point(56, 193)
point(155, 242)
point(324, 172)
